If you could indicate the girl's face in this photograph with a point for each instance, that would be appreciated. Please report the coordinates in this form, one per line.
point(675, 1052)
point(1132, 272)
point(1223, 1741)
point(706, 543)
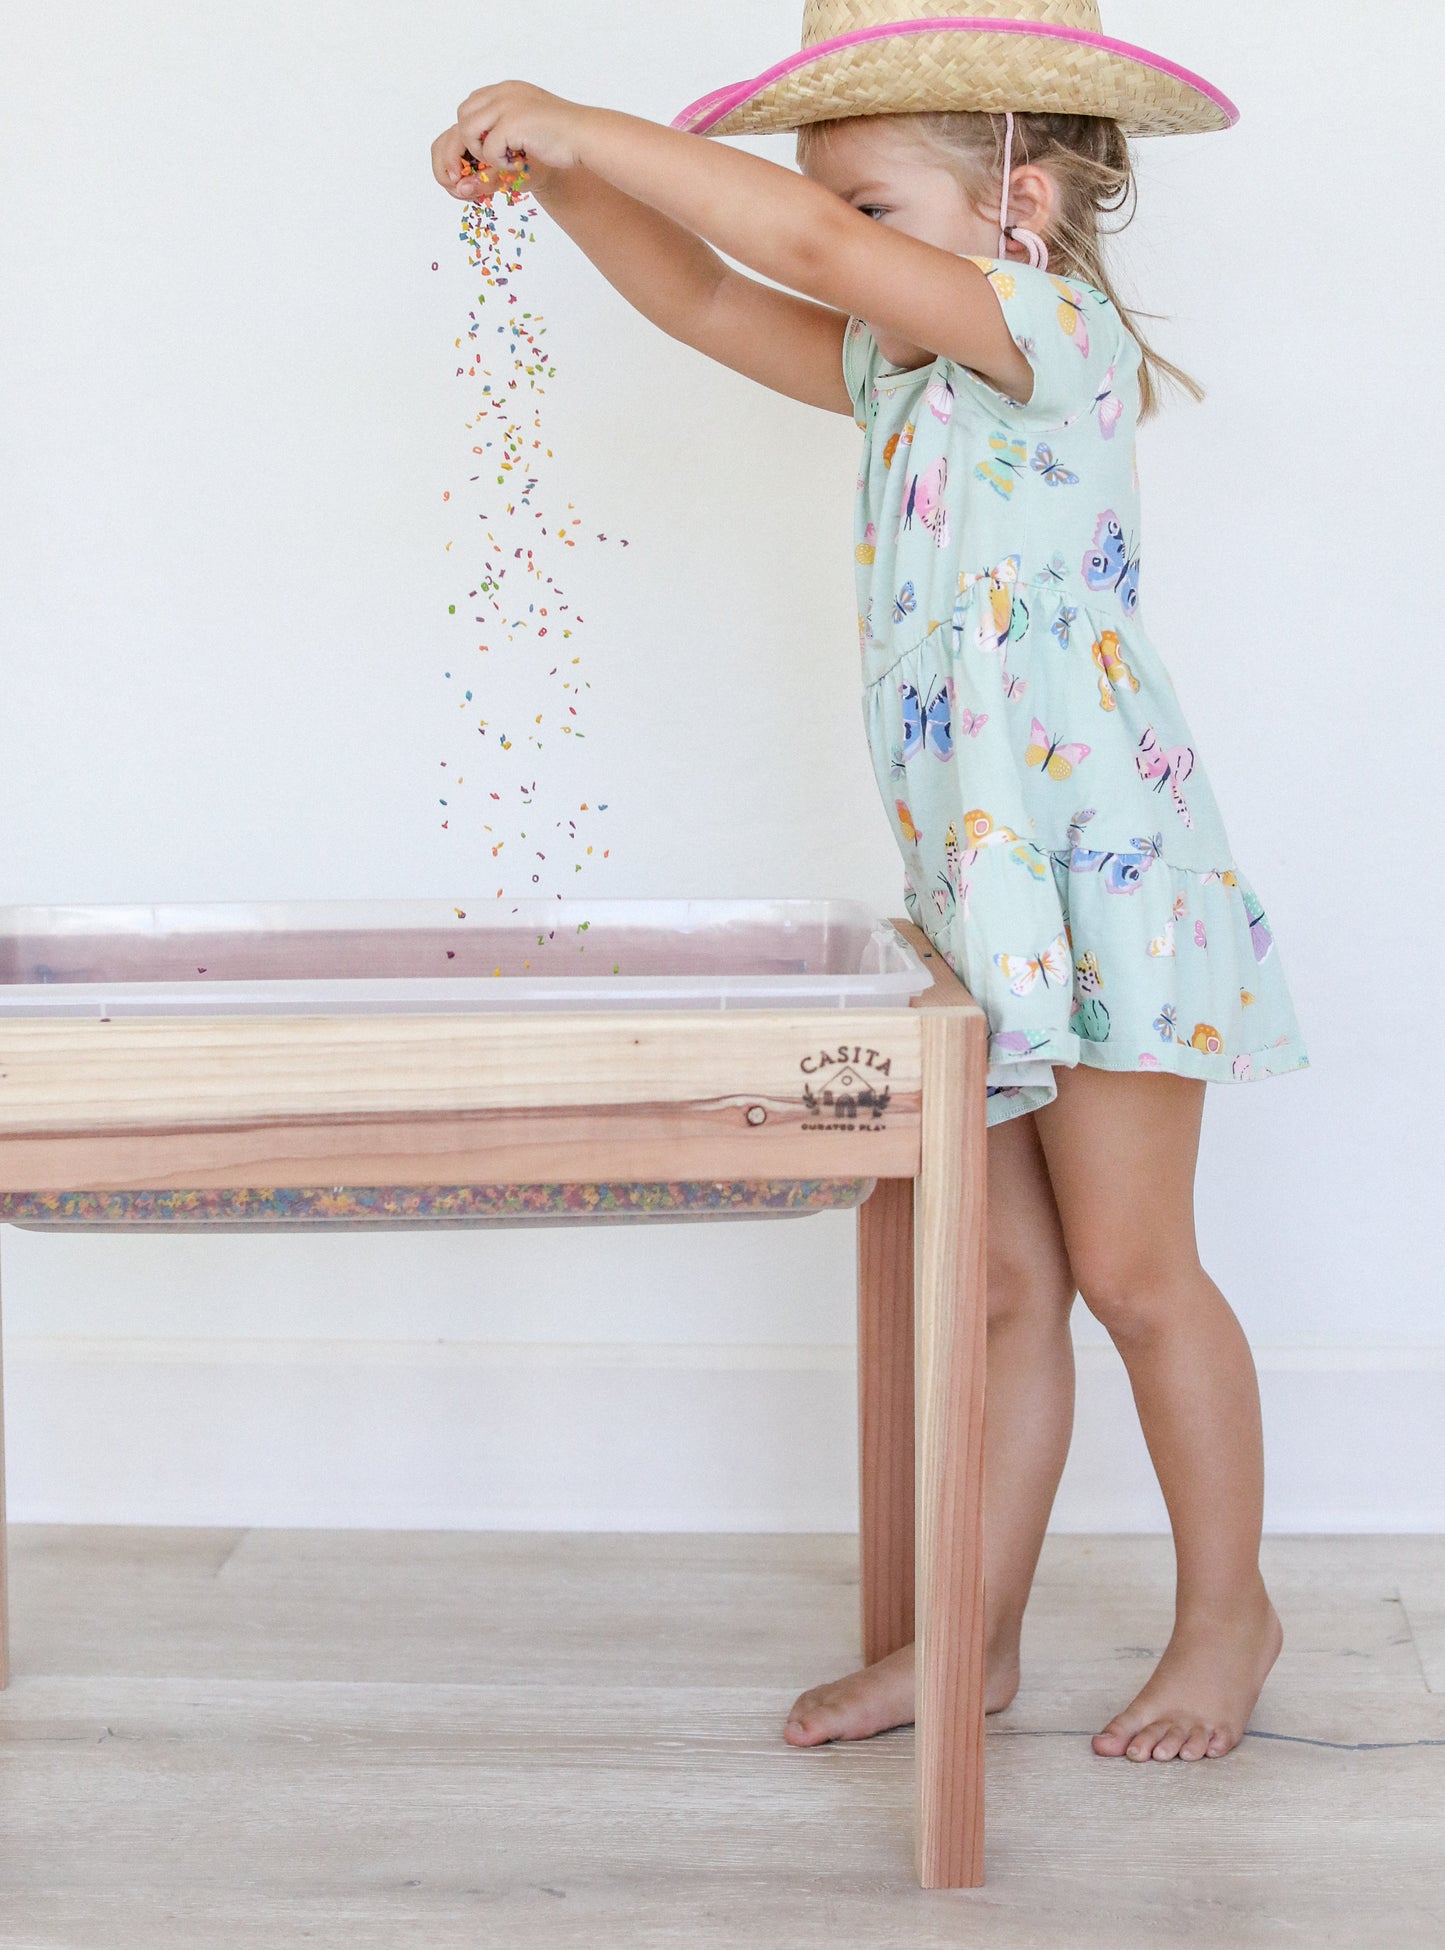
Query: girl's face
point(887, 175)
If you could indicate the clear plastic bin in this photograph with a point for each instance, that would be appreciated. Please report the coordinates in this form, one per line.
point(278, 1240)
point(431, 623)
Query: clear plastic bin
point(418, 957)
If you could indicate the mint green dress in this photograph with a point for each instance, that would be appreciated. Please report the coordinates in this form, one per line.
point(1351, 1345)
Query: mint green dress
point(1062, 846)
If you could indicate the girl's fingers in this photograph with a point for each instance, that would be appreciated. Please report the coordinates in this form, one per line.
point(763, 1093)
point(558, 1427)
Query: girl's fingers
point(446, 163)
point(470, 159)
point(454, 166)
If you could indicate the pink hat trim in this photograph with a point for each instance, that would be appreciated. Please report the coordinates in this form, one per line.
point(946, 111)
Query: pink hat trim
point(712, 108)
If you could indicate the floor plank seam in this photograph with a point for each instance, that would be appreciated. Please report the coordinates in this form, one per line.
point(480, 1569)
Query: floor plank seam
point(1415, 1644)
point(1251, 1733)
point(1344, 1746)
point(239, 1539)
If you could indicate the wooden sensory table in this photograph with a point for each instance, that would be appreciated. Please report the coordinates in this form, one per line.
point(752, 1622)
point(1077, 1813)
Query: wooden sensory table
point(524, 1099)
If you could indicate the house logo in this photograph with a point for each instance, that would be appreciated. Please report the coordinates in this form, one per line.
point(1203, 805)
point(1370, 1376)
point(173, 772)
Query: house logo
point(846, 1089)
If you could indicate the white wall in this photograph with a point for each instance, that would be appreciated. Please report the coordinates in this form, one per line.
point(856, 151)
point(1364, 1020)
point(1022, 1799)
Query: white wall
point(228, 415)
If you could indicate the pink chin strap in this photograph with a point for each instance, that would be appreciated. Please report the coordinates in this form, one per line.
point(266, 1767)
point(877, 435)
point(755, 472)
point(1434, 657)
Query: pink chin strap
point(1037, 249)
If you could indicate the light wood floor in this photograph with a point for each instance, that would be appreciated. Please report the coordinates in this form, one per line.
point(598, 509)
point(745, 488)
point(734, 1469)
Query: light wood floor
point(377, 1740)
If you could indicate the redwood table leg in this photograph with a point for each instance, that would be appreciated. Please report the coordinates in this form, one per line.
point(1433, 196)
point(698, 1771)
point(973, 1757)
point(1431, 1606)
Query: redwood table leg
point(885, 1417)
point(950, 1326)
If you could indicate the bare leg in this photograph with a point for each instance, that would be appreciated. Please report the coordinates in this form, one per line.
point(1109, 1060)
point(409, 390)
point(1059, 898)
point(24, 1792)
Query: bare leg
point(1121, 1150)
point(1028, 1420)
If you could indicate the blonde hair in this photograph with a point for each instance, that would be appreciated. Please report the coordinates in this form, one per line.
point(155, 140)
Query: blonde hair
point(1088, 158)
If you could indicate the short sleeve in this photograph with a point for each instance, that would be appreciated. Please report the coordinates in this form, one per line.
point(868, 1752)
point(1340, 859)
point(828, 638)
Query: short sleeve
point(1070, 333)
point(860, 366)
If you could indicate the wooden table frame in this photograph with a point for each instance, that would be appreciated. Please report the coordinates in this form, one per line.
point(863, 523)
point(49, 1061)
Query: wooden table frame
point(160, 1104)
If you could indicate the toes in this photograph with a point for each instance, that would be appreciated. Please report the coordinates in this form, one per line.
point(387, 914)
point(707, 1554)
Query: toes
point(1111, 1740)
point(1145, 1740)
point(806, 1732)
point(1165, 1740)
point(1169, 1746)
point(809, 1723)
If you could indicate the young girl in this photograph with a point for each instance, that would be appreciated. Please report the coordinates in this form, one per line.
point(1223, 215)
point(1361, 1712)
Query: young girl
point(1063, 848)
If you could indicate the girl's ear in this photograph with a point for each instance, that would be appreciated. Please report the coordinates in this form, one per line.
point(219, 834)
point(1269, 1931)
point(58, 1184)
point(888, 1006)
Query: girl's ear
point(1033, 199)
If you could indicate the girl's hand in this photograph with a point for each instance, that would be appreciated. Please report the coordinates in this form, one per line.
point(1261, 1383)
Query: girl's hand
point(498, 128)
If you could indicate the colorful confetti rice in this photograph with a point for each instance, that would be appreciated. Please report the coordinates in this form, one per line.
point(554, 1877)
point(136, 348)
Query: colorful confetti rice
point(522, 634)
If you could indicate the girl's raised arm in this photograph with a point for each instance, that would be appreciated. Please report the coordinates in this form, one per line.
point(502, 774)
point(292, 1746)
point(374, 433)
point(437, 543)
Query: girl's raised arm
point(673, 278)
point(793, 230)
point(777, 222)
point(669, 274)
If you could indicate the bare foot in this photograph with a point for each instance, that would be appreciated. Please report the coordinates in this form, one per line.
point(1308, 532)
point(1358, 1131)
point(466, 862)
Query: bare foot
point(1199, 1697)
point(880, 1697)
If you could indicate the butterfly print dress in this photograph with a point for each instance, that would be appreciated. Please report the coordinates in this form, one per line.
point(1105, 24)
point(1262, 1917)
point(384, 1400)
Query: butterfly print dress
point(1062, 846)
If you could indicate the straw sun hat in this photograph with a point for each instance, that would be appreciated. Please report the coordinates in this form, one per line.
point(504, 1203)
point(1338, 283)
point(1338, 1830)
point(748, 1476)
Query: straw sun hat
point(900, 57)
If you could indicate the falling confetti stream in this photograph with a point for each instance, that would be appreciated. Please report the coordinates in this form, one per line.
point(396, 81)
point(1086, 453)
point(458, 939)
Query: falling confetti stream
point(509, 548)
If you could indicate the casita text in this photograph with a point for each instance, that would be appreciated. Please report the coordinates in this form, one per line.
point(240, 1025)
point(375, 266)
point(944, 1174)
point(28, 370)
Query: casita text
point(866, 1059)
